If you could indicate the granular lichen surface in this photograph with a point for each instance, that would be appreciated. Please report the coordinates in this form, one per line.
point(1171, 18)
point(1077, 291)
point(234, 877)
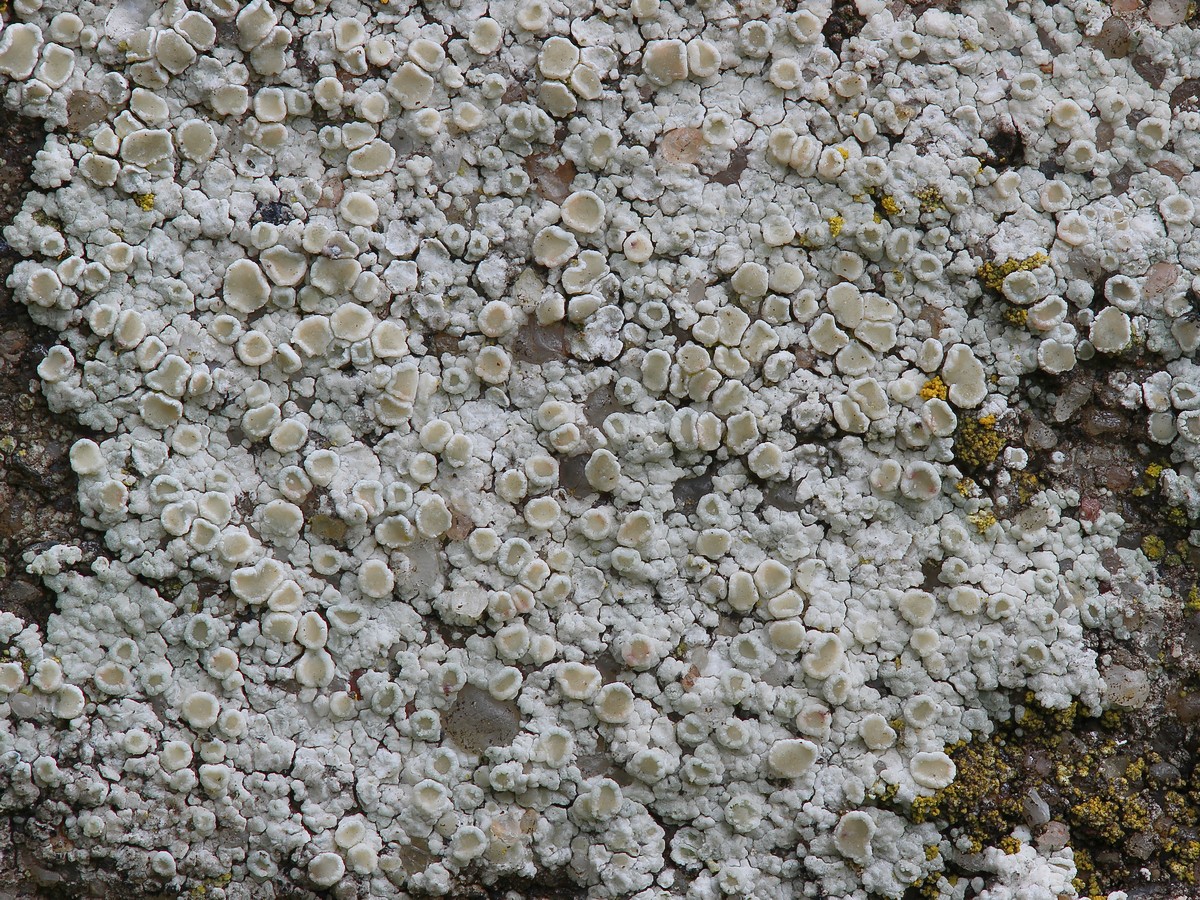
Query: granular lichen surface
point(634, 449)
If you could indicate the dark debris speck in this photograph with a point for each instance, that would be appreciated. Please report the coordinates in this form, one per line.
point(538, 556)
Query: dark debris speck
point(274, 213)
point(844, 22)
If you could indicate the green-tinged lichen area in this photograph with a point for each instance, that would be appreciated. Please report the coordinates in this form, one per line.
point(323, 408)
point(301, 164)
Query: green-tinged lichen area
point(1122, 789)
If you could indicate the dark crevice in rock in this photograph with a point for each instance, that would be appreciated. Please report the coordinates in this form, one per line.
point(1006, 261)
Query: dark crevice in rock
point(37, 485)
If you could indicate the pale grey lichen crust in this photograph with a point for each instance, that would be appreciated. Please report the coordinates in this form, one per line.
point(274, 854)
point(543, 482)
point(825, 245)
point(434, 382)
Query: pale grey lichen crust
point(528, 429)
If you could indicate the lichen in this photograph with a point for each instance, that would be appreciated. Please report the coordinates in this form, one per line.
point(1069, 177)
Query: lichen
point(982, 520)
point(499, 442)
point(978, 442)
point(1016, 316)
point(930, 200)
point(1154, 547)
point(992, 274)
point(934, 388)
point(1082, 768)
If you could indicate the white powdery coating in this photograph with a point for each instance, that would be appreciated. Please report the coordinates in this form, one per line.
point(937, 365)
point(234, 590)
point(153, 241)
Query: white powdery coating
point(523, 429)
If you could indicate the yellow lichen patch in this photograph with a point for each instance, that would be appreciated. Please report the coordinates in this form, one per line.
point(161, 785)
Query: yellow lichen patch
point(1108, 796)
point(1016, 316)
point(836, 223)
point(1040, 720)
point(1154, 547)
point(1192, 603)
point(992, 274)
point(1028, 486)
point(1184, 868)
point(145, 201)
point(965, 487)
point(977, 441)
point(889, 205)
point(934, 388)
point(1086, 882)
point(1136, 770)
point(1149, 480)
point(930, 199)
point(845, 153)
point(930, 887)
point(924, 809)
point(1110, 817)
point(976, 798)
point(982, 520)
point(886, 793)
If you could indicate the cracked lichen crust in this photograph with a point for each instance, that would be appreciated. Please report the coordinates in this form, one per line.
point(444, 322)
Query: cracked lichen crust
point(552, 439)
